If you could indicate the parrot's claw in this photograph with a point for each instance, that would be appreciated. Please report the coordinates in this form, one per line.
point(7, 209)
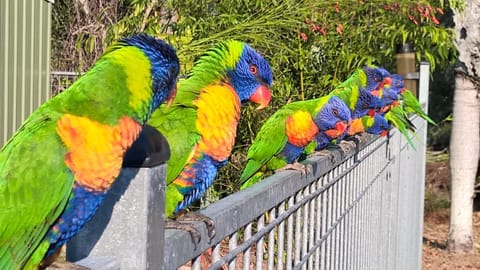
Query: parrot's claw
point(194, 233)
point(194, 216)
point(297, 166)
point(324, 153)
point(347, 145)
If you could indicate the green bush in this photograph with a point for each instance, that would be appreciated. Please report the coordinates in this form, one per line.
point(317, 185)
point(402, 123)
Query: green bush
point(311, 45)
point(436, 200)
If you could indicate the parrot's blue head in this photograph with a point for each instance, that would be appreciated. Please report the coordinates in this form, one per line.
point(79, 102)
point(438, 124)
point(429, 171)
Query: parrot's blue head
point(375, 77)
point(366, 103)
point(385, 73)
point(251, 77)
point(333, 118)
point(389, 96)
point(164, 65)
point(397, 82)
point(380, 126)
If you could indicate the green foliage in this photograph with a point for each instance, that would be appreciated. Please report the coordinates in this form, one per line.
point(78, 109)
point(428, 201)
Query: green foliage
point(436, 200)
point(311, 45)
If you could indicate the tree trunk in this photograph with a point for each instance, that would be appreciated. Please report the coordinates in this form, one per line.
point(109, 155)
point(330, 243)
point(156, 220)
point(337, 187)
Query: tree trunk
point(463, 162)
point(464, 142)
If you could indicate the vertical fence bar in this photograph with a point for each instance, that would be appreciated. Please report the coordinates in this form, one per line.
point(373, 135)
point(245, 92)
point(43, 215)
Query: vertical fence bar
point(311, 233)
point(246, 254)
point(259, 254)
point(289, 260)
point(216, 252)
point(328, 241)
point(232, 243)
point(323, 253)
point(271, 242)
point(298, 234)
point(281, 233)
point(318, 222)
point(336, 210)
point(304, 237)
point(197, 263)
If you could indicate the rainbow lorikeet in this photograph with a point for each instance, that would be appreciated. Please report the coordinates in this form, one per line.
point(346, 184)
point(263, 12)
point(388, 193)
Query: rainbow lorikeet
point(201, 123)
point(396, 102)
point(57, 168)
point(284, 136)
point(376, 124)
point(356, 90)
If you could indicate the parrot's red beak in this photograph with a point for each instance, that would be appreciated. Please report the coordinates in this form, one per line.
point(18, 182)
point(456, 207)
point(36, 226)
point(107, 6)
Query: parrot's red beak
point(375, 93)
point(403, 90)
point(371, 113)
point(172, 96)
point(384, 133)
point(385, 81)
point(339, 129)
point(261, 96)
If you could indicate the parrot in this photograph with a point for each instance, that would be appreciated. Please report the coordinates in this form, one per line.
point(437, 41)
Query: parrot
point(411, 104)
point(377, 125)
point(56, 169)
point(200, 125)
point(356, 90)
point(396, 102)
point(283, 137)
point(394, 92)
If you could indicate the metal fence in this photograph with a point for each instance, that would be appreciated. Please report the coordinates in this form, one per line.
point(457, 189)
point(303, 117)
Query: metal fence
point(61, 80)
point(360, 207)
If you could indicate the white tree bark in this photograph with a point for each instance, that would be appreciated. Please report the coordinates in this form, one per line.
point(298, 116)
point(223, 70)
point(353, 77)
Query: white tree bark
point(464, 142)
point(463, 162)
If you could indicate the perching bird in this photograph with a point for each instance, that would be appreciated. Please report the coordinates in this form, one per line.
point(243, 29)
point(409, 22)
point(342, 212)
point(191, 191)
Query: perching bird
point(410, 104)
point(201, 124)
point(396, 102)
point(57, 168)
point(374, 125)
point(356, 90)
point(283, 137)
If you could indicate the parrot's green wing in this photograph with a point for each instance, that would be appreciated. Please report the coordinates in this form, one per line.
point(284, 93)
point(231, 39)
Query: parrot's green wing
point(39, 194)
point(269, 141)
point(400, 120)
point(411, 104)
point(349, 90)
point(177, 124)
point(272, 137)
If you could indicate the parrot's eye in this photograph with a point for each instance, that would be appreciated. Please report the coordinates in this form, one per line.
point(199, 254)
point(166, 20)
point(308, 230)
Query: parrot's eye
point(253, 69)
point(335, 112)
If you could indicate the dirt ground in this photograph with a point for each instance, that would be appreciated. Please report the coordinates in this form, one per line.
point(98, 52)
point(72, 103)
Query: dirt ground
point(435, 229)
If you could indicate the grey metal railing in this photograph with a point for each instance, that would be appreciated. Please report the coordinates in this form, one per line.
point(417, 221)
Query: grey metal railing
point(361, 207)
point(61, 80)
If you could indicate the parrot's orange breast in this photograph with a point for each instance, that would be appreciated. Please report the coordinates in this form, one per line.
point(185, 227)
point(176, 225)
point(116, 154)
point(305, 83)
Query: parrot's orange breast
point(95, 150)
point(300, 128)
point(218, 114)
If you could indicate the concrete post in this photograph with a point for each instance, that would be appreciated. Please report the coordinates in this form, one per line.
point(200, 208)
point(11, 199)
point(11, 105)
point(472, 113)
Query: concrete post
point(128, 231)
